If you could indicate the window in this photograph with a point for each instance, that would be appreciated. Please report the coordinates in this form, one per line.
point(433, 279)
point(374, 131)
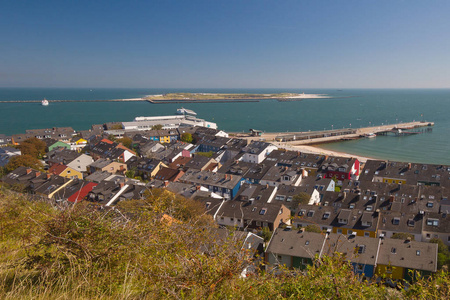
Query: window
point(396, 221)
point(361, 249)
point(263, 211)
point(359, 267)
point(349, 232)
point(411, 223)
point(418, 252)
point(428, 236)
point(258, 223)
point(369, 208)
point(394, 250)
point(352, 206)
point(289, 199)
point(326, 215)
point(307, 243)
point(430, 204)
point(432, 222)
point(310, 213)
point(231, 219)
point(302, 212)
point(367, 234)
point(389, 270)
point(339, 231)
point(254, 208)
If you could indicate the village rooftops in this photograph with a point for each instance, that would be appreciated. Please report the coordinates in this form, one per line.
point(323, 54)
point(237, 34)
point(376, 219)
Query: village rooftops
point(209, 178)
point(409, 173)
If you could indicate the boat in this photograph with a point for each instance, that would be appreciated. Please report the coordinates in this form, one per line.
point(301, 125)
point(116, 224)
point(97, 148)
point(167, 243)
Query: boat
point(184, 111)
point(370, 135)
point(44, 102)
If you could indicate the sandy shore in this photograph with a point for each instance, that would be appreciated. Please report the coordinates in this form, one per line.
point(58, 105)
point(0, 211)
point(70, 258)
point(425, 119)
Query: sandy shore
point(308, 96)
point(317, 150)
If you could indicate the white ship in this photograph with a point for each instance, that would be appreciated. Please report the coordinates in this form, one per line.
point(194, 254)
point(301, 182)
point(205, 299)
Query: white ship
point(44, 102)
point(184, 111)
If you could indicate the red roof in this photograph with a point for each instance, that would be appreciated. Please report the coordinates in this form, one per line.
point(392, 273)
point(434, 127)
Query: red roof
point(79, 195)
point(57, 169)
point(107, 141)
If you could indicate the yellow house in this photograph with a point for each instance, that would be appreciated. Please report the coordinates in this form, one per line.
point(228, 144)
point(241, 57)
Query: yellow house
point(65, 171)
point(394, 180)
point(389, 271)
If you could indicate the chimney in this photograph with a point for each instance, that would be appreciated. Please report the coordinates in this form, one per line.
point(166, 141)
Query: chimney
point(304, 173)
point(121, 184)
point(38, 174)
point(409, 166)
point(197, 187)
point(166, 183)
point(49, 175)
point(231, 177)
point(28, 171)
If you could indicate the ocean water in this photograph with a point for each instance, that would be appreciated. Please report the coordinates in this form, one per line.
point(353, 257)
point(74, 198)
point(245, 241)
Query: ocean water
point(347, 108)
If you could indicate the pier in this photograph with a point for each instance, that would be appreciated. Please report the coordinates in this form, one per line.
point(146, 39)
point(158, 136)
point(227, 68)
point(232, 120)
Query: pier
point(51, 101)
point(345, 134)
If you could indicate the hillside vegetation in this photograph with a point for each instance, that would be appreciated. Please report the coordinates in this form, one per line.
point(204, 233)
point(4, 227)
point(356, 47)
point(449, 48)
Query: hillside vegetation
point(162, 248)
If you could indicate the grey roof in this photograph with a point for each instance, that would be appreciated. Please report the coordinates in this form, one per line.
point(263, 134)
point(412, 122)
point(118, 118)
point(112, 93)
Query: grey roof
point(408, 254)
point(98, 176)
point(62, 156)
point(248, 210)
point(209, 178)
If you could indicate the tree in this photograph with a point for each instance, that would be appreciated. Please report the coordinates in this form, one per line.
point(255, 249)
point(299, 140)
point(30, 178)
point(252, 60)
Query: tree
point(186, 137)
point(206, 154)
point(126, 141)
point(157, 127)
point(266, 234)
point(301, 198)
point(23, 161)
point(33, 146)
point(313, 228)
point(443, 253)
point(402, 236)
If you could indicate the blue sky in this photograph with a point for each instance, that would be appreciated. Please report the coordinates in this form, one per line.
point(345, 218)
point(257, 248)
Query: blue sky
point(229, 44)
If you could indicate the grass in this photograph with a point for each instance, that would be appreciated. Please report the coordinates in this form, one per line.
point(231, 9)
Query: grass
point(132, 252)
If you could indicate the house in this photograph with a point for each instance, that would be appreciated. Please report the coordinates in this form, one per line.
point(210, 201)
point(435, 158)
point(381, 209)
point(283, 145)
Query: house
point(150, 147)
point(5, 140)
point(256, 152)
point(278, 175)
point(21, 178)
point(61, 156)
point(81, 163)
point(199, 162)
point(110, 166)
point(63, 134)
point(145, 167)
point(167, 174)
point(222, 184)
point(252, 215)
point(77, 143)
point(341, 168)
point(406, 173)
point(406, 259)
point(296, 159)
point(6, 153)
point(74, 192)
point(65, 171)
point(58, 144)
point(370, 257)
point(211, 143)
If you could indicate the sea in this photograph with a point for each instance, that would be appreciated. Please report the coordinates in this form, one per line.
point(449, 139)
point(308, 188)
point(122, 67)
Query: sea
point(346, 108)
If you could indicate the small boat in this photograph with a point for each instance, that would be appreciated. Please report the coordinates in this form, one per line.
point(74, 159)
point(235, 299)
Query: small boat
point(370, 135)
point(44, 102)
